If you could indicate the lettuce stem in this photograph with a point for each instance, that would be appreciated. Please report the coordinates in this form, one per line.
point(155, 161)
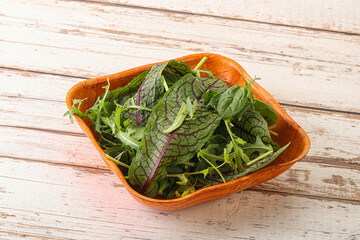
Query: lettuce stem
point(117, 161)
point(262, 156)
point(165, 84)
point(198, 66)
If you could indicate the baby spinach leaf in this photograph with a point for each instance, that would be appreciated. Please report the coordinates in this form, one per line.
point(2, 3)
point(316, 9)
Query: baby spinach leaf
point(232, 101)
point(158, 149)
point(266, 111)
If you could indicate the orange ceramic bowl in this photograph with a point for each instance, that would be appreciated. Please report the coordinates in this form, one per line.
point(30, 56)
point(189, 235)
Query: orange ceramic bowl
point(232, 73)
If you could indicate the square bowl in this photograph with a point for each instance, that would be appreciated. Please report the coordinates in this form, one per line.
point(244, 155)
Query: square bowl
point(231, 72)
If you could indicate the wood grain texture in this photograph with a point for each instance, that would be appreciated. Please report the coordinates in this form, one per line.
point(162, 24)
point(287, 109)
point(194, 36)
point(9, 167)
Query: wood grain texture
point(66, 44)
point(306, 177)
point(36, 101)
point(28, 120)
point(75, 210)
point(306, 53)
point(334, 15)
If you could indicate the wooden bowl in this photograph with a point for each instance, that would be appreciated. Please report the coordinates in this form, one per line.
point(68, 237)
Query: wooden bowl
point(232, 73)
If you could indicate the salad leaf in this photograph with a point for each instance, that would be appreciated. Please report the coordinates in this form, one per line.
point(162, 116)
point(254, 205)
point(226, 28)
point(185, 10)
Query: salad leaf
point(174, 71)
point(122, 94)
point(252, 124)
point(266, 111)
point(158, 149)
point(159, 78)
point(232, 101)
point(143, 128)
point(149, 93)
point(230, 174)
point(179, 119)
point(211, 99)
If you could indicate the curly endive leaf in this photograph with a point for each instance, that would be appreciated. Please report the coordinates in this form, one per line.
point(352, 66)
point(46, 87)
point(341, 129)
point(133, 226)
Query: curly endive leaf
point(234, 174)
point(158, 149)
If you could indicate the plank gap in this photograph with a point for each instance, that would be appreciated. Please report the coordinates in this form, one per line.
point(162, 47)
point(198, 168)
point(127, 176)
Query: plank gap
point(343, 200)
point(42, 72)
point(51, 162)
point(75, 134)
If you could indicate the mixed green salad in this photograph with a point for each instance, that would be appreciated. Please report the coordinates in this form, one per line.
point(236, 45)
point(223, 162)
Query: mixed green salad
point(172, 131)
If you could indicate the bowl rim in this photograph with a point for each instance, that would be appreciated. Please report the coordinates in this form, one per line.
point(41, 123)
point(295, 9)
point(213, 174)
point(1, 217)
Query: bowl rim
point(113, 167)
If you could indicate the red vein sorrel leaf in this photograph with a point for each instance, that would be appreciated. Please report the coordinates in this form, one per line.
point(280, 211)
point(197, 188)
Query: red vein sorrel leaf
point(149, 92)
point(158, 149)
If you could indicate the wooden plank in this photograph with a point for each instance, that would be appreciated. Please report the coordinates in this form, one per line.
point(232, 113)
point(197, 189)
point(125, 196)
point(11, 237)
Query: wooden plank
point(327, 135)
point(305, 62)
point(319, 178)
point(332, 15)
point(26, 99)
point(66, 202)
point(48, 146)
point(34, 85)
point(36, 121)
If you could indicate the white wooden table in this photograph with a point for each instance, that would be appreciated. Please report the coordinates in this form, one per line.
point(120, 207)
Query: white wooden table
point(54, 185)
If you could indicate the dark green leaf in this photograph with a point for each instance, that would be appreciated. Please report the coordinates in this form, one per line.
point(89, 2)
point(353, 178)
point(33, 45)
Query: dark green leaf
point(211, 99)
point(121, 94)
point(257, 147)
point(266, 111)
point(232, 101)
point(149, 93)
point(174, 71)
point(252, 124)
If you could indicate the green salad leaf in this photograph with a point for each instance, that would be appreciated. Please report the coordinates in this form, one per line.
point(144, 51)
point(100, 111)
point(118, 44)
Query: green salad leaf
point(161, 147)
point(171, 131)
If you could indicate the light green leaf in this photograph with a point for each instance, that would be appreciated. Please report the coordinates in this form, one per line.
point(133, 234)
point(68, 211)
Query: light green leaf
point(127, 140)
point(232, 101)
point(183, 112)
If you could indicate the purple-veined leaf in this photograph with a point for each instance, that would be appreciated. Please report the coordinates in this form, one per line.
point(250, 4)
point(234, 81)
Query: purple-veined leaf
point(122, 94)
point(148, 94)
point(158, 149)
point(252, 124)
point(175, 70)
point(152, 88)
